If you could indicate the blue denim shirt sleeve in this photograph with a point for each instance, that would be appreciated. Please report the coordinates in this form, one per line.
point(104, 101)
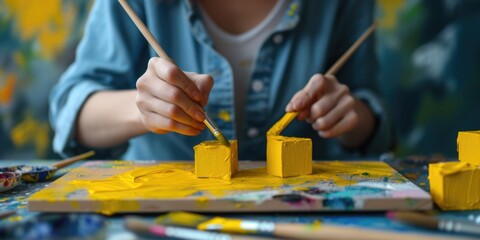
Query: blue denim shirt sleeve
point(104, 61)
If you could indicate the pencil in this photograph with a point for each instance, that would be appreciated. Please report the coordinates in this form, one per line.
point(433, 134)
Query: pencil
point(211, 125)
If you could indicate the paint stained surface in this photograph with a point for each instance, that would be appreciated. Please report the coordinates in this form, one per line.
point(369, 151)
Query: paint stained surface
point(127, 186)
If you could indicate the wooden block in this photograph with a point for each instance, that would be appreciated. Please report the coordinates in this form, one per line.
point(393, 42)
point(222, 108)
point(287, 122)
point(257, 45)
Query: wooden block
point(214, 160)
point(455, 185)
point(289, 156)
point(468, 147)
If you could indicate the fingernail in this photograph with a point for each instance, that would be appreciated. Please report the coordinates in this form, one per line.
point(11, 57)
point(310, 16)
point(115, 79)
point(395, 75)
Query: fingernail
point(199, 116)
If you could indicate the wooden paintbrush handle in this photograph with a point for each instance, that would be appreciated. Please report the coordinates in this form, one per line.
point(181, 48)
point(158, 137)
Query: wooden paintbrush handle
point(73, 159)
point(337, 232)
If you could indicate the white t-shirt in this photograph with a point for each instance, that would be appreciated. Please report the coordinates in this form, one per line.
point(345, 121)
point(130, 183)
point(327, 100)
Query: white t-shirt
point(241, 51)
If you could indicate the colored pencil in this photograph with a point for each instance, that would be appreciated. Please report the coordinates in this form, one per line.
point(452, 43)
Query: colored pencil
point(140, 226)
point(211, 125)
point(285, 230)
point(448, 225)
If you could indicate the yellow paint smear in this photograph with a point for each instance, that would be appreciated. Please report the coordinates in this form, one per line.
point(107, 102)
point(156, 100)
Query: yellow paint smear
point(287, 156)
point(214, 160)
point(455, 185)
point(468, 146)
point(224, 225)
point(177, 180)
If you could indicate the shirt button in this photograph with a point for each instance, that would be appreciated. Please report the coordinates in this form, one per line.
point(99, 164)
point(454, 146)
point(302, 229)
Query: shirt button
point(252, 132)
point(277, 38)
point(257, 86)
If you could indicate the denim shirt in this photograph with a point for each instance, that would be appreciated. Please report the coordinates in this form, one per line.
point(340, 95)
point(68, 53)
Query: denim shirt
point(310, 38)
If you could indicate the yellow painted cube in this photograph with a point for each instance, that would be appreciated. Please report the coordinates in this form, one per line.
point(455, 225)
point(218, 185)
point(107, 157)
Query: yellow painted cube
point(468, 146)
point(289, 156)
point(455, 185)
point(214, 160)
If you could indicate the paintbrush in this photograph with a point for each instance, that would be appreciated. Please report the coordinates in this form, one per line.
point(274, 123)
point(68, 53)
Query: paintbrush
point(448, 225)
point(211, 125)
point(141, 226)
point(334, 69)
point(8, 213)
point(284, 230)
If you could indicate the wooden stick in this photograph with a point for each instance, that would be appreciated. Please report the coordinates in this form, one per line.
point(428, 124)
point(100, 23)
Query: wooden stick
point(144, 30)
point(73, 159)
point(343, 59)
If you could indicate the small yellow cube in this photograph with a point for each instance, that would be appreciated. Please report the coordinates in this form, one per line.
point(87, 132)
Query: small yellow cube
point(214, 160)
point(289, 156)
point(455, 185)
point(468, 146)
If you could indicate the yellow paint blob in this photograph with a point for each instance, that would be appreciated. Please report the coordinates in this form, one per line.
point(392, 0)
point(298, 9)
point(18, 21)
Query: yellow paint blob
point(47, 21)
point(7, 89)
point(389, 10)
point(455, 185)
point(224, 225)
point(31, 131)
point(468, 146)
point(214, 160)
point(111, 189)
point(287, 156)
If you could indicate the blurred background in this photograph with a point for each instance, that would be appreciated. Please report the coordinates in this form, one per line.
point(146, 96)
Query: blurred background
point(429, 54)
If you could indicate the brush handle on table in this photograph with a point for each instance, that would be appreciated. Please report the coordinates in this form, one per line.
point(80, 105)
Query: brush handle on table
point(73, 159)
point(337, 232)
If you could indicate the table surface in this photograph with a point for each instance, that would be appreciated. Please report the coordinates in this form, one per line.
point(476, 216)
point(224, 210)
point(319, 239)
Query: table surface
point(415, 168)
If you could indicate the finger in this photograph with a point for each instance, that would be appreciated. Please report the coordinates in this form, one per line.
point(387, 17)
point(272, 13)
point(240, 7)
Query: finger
point(159, 124)
point(170, 73)
point(348, 123)
point(175, 96)
point(321, 107)
point(204, 83)
point(305, 97)
point(326, 122)
point(174, 112)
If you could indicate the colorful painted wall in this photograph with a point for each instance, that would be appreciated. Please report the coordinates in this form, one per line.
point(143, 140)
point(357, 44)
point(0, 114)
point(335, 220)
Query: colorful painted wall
point(429, 53)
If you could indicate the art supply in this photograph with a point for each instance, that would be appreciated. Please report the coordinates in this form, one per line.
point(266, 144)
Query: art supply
point(7, 214)
point(343, 59)
point(42, 173)
point(214, 160)
point(287, 156)
point(284, 230)
point(134, 186)
point(455, 185)
point(141, 226)
point(211, 125)
point(448, 225)
point(8, 180)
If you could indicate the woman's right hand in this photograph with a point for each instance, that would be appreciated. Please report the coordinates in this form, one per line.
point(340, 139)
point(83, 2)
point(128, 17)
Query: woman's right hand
point(170, 100)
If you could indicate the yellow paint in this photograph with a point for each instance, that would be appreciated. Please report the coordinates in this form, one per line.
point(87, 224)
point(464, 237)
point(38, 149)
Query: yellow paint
point(113, 189)
point(47, 21)
point(455, 185)
point(287, 156)
point(7, 89)
point(389, 10)
point(214, 160)
point(224, 225)
point(30, 131)
point(225, 116)
point(278, 127)
point(468, 146)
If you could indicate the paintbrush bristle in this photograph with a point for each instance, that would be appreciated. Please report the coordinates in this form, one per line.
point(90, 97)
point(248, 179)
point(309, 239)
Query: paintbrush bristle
point(223, 140)
point(417, 219)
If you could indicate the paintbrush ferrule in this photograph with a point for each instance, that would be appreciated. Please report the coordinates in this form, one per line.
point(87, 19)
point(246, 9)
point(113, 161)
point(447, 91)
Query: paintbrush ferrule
point(212, 126)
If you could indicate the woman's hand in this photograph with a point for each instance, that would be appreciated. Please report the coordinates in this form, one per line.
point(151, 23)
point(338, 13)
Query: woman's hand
point(170, 100)
point(332, 111)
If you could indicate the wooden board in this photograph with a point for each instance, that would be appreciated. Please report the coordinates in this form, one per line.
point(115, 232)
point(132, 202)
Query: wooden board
point(333, 186)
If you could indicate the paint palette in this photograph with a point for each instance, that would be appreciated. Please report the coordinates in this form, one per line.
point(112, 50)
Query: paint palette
point(9, 180)
point(133, 186)
point(32, 173)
